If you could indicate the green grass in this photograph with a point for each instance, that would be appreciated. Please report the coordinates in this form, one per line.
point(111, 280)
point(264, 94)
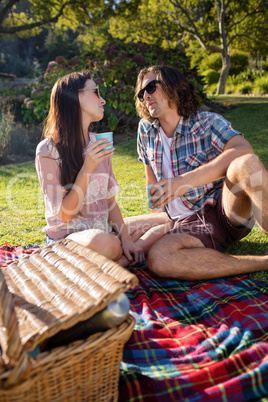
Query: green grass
point(21, 199)
point(249, 115)
point(22, 205)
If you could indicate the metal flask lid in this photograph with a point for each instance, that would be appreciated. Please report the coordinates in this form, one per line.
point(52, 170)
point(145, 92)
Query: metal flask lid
point(114, 314)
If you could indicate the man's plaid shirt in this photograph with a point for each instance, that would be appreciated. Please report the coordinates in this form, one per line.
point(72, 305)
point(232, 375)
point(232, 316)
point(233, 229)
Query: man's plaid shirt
point(197, 140)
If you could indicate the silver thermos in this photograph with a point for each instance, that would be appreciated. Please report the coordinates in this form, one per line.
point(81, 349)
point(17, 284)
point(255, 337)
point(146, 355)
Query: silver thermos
point(114, 314)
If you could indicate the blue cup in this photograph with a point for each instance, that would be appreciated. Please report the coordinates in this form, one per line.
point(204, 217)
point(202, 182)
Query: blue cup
point(108, 135)
point(149, 197)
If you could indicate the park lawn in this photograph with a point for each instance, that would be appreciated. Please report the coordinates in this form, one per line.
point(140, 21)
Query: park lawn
point(21, 199)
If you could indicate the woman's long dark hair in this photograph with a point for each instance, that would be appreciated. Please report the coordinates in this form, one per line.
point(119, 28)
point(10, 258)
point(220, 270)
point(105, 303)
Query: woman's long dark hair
point(178, 89)
point(64, 126)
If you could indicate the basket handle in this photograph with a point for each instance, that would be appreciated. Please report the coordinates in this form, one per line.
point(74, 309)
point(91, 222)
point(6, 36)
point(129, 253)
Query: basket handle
point(15, 358)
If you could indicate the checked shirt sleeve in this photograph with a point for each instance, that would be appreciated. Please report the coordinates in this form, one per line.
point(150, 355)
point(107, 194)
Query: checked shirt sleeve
point(221, 132)
point(142, 143)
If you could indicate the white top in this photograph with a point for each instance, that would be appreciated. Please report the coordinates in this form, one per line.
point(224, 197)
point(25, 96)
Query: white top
point(176, 207)
point(94, 212)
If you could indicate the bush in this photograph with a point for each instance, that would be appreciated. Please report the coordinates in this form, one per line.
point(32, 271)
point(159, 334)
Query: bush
point(248, 75)
point(245, 88)
point(239, 62)
point(248, 82)
point(265, 65)
point(212, 89)
point(211, 76)
point(6, 124)
point(261, 85)
point(210, 62)
point(116, 73)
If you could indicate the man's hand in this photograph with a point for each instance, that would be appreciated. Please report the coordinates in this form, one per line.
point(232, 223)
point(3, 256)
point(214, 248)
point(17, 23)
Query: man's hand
point(167, 190)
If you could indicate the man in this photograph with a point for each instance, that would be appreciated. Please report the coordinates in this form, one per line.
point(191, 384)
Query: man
point(206, 176)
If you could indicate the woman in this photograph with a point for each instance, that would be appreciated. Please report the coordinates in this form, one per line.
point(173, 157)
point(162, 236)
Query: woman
point(75, 173)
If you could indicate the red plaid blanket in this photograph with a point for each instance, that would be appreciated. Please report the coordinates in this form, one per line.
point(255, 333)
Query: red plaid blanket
point(196, 341)
point(9, 253)
point(193, 341)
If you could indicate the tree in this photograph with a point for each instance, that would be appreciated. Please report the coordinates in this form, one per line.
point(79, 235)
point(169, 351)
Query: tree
point(21, 15)
point(233, 19)
point(215, 25)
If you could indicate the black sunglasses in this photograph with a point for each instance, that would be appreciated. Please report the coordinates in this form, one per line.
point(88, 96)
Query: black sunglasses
point(150, 89)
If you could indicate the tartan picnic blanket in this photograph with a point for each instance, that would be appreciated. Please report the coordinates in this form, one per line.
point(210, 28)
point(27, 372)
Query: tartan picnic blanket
point(196, 341)
point(10, 254)
point(193, 341)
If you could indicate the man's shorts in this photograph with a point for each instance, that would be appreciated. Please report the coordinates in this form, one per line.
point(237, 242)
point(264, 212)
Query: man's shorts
point(212, 227)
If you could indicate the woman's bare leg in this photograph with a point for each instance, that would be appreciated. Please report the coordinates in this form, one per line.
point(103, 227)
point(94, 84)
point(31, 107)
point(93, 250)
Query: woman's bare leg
point(104, 243)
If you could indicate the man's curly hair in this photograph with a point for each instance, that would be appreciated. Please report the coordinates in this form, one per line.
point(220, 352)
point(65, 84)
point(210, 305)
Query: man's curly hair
point(176, 87)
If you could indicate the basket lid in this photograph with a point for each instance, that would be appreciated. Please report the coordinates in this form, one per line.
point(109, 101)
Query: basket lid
point(59, 285)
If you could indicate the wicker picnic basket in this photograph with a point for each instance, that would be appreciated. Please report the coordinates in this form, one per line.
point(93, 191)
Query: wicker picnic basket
point(51, 290)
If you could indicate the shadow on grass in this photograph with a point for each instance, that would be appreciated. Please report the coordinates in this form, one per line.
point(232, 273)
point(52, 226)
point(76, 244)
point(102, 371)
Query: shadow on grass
point(247, 247)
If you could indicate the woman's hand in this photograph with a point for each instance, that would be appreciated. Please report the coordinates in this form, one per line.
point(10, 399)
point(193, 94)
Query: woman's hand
point(96, 154)
point(132, 252)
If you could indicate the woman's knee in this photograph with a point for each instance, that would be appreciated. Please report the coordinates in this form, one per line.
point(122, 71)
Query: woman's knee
point(102, 242)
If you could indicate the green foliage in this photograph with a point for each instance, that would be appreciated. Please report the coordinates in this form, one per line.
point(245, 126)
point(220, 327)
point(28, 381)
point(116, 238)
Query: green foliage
point(210, 67)
point(239, 62)
point(211, 76)
point(265, 64)
point(58, 42)
point(212, 89)
point(35, 108)
point(116, 73)
point(18, 55)
point(7, 118)
point(153, 23)
point(245, 88)
point(247, 82)
point(248, 75)
point(230, 85)
point(261, 85)
point(211, 62)
point(26, 17)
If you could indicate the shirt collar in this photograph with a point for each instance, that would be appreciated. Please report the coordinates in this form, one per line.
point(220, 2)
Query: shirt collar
point(180, 129)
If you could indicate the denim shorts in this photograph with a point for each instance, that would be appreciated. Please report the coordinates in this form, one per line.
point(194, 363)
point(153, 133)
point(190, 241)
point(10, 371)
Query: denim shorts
point(49, 240)
point(212, 227)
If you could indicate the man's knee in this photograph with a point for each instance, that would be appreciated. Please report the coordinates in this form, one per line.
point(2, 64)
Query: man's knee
point(246, 167)
point(167, 249)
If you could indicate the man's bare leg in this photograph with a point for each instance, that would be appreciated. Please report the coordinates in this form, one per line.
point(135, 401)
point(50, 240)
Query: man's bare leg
point(140, 224)
point(245, 192)
point(185, 257)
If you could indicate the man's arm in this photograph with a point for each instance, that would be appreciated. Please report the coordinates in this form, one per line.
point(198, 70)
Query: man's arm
point(207, 173)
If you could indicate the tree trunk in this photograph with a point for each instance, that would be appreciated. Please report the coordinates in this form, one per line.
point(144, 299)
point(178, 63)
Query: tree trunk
point(226, 65)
